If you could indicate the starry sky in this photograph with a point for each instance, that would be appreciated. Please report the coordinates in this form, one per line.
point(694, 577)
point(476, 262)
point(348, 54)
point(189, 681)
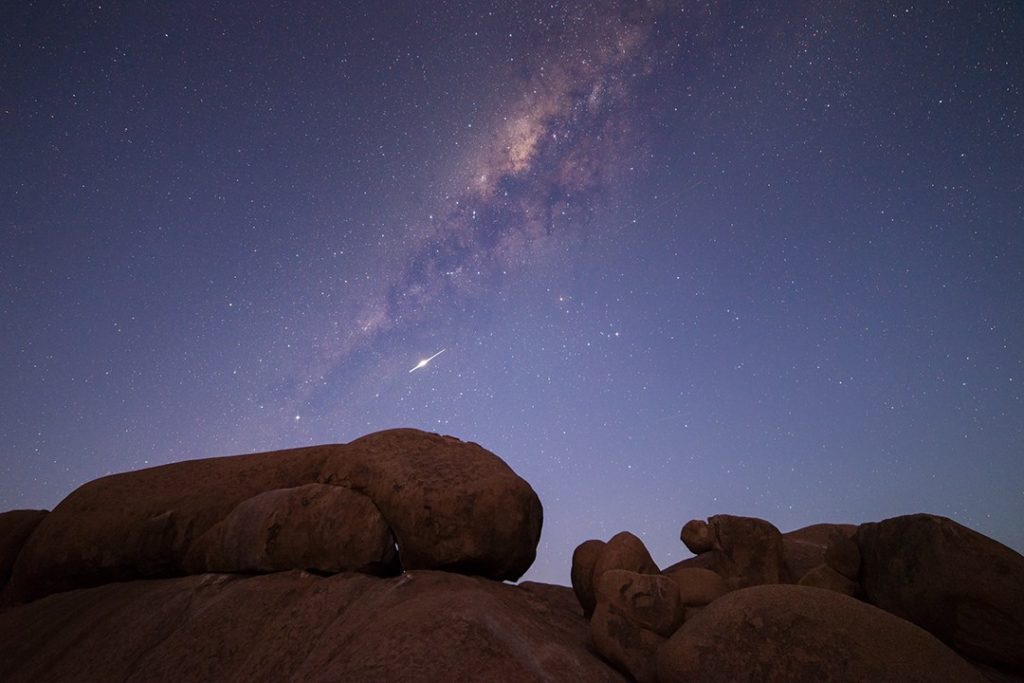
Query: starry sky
point(679, 257)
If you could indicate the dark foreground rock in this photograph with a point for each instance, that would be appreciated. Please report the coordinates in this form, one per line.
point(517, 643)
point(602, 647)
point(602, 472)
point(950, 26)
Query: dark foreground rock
point(795, 634)
point(448, 504)
point(962, 586)
point(15, 528)
point(295, 626)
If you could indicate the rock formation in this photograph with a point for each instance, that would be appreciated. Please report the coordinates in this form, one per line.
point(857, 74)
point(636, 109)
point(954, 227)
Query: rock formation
point(792, 634)
point(943, 603)
point(448, 505)
point(383, 559)
point(296, 626)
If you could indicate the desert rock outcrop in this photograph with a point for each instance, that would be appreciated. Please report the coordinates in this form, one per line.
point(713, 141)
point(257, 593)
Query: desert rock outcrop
point(294, 626)
point(449, 504)
point(794, 634)
point(963, 587)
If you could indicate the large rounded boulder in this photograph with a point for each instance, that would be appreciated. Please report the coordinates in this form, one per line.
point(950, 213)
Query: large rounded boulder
point(451, 505)
point(962, 586)
point(796, 634)
point(323, 528)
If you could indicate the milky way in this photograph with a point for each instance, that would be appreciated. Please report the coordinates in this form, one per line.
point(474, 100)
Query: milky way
point(566, 140)
point(683, 257)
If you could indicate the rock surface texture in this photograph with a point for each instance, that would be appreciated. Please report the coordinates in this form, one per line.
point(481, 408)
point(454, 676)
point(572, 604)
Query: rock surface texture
point(793, 634)
point(383, 560)
point(757, 605)
point(295, 626)
point(448, 504)
point(963, 587)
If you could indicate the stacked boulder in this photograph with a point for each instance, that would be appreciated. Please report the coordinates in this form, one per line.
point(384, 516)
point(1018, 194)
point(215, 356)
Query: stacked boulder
point(396, 500)
point(915, 598)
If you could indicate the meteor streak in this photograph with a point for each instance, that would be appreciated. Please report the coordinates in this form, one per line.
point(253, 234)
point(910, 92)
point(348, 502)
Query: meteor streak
point(426, 361)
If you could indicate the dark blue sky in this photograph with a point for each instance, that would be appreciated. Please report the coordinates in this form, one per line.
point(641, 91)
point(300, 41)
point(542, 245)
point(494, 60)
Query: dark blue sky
point(683, 257)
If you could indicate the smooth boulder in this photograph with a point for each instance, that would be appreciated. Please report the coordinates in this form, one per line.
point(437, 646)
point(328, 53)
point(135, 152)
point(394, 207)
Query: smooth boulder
point(747, 551)
point(797, 634)
point(141, 524)
point(451, 504)
point(962, 586)
point(582, 573)
point(314, 527)
point(294, 626)
point(697, 536)
point(697, 586)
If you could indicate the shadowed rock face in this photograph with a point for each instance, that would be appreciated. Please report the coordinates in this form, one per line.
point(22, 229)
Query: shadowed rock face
point(792, 634)
point(15, 528)
point(421, 626)
point(965, 588)
point(448, 504)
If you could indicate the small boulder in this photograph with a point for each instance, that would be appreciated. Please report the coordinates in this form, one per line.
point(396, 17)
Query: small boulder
point(697, 586)
point(965, 588)
point(796, 634)
point(315, 527)
point(583, 560)
point(697, 536)
point(624, 551)
point(650, 601)
point(748, 551)
point(824, 576)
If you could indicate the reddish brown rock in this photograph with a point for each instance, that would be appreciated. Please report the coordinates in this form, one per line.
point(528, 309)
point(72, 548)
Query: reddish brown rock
point(843, 555)
point(314, 527)
point(650, 601)
point(824, 576)
point(621, 642)
point(582, 574)
point(142, 523)
point(697, 536)
point(805, 548)
point(15, 528)
point(451, 504)
point(965, 588)
point(624, 551)
point(747, 551)
point(293, 626)
point(697, 586)
point(796, 634)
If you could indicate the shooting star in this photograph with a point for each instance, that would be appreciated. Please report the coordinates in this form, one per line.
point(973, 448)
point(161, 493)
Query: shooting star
point(426, 361)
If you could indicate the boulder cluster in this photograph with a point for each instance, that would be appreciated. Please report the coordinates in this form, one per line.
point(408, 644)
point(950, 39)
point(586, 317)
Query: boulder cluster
point(913, 598)
point(386, 559)
point(391, 501)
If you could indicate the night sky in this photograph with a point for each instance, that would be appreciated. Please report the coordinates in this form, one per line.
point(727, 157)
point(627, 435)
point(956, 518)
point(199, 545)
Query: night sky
point(678, 258)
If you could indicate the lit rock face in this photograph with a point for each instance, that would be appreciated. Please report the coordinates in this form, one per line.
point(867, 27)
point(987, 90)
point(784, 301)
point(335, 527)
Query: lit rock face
point(447, 505)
